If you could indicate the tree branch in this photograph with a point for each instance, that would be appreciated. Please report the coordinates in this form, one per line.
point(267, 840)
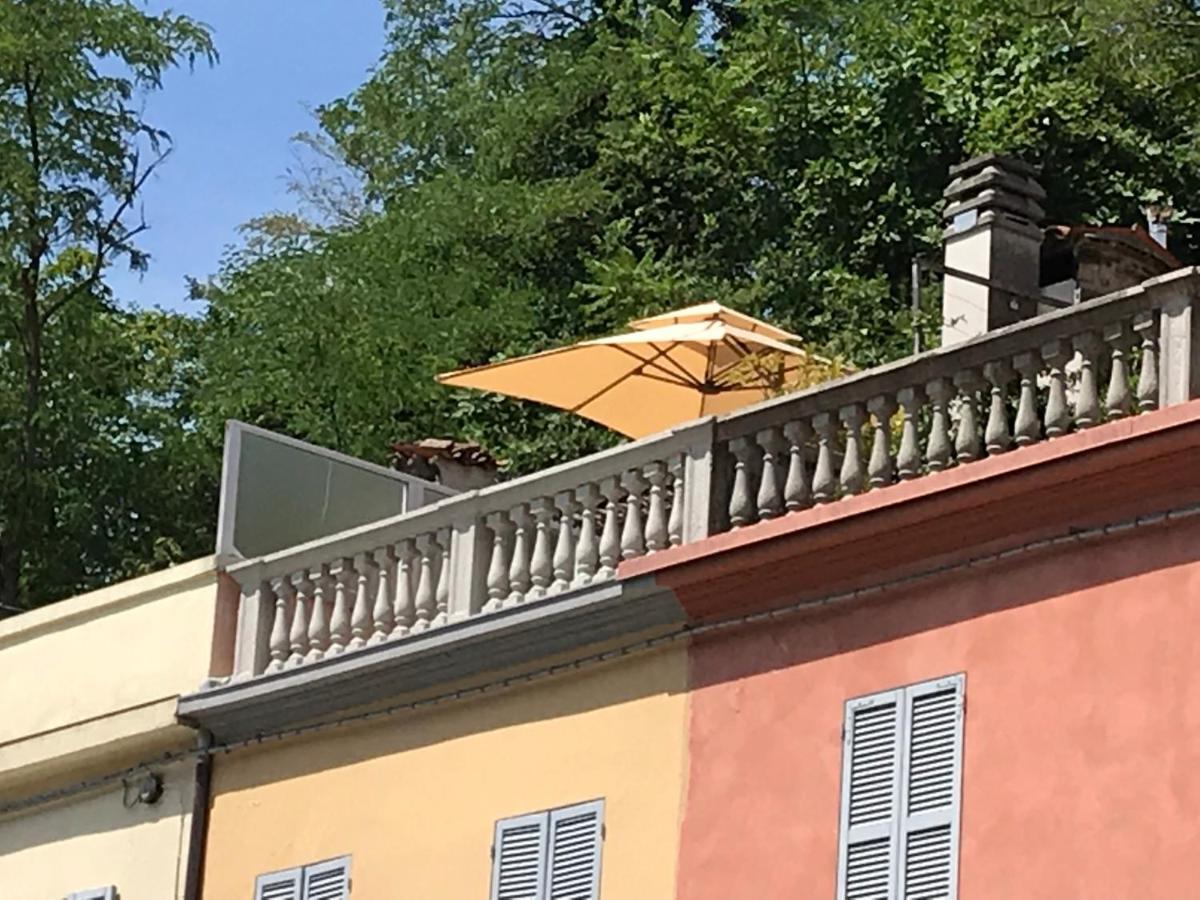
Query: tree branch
point(104, 237)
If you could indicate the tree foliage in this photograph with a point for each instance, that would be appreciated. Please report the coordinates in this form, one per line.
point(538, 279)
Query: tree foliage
point(86, 470)
point(516, 175)
point(540, 171)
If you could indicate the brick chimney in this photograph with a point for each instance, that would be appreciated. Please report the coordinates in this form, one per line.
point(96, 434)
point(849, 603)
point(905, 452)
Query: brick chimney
point(993, 242)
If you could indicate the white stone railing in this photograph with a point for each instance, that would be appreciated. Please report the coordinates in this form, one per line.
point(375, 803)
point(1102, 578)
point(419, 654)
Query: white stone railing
point(567, 527)
point(473, 554)
point(1115, 356)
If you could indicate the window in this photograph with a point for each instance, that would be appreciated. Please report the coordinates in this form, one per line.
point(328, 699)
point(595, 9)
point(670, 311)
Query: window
point(329, 880)
point(104, 893)
point(901, 782)
point(552, 855)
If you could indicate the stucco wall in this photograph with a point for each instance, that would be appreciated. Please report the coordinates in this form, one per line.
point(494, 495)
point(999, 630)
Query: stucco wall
point(133, 646)
point(414, 799)
point(95, 841)
point(1082, 731)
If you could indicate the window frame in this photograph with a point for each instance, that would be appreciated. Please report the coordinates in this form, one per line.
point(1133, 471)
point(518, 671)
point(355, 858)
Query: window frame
point(898, 824)
point(547, 818)
point(299, 874)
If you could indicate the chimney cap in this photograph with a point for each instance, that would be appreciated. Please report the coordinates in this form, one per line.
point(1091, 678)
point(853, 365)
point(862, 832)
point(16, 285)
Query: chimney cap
point(999, 160)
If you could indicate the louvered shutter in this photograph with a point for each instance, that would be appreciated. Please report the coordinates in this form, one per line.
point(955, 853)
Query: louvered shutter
point(871, 764)
point(283, 885)
point(519, 857)
point(932, 787)
point(575, 840)
point(329, 880)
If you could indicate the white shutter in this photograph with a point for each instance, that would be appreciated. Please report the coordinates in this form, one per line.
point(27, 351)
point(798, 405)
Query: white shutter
point(575, 839)
point(519, 857)
point(871, 770)
point(104, 893)
point(329, 880)
point(932, 787)
point(283, 885)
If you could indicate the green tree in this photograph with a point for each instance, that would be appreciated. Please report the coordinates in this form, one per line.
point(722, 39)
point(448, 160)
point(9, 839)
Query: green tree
point(82, 384)
point(537, 172)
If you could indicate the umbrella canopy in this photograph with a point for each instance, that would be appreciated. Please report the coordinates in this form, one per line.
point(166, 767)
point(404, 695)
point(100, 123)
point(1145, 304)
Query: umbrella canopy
point(669, 369)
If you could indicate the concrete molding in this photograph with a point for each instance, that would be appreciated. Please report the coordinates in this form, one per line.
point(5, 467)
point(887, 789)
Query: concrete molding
point(503, 640)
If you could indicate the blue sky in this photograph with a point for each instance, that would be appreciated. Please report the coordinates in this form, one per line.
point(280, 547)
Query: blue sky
point(231, 127)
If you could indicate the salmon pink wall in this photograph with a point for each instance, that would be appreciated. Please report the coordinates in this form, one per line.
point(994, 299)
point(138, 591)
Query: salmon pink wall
point(1082, 733)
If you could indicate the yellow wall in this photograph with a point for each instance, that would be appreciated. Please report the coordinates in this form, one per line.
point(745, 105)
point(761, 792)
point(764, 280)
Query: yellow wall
point(94, 841)
point(414, 799)
point(89, 686)
point(104, 667)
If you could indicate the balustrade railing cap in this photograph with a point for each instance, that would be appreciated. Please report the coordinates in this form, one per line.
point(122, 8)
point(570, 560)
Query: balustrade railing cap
point(943, 362)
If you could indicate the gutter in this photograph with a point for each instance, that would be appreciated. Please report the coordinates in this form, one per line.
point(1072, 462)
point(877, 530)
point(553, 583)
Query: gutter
point(198, 839)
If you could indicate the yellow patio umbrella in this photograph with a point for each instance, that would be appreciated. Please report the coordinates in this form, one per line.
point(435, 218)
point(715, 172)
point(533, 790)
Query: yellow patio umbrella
point(669, 369)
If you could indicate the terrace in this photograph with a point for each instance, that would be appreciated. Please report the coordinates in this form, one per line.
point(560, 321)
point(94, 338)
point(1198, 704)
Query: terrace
point(493, 578)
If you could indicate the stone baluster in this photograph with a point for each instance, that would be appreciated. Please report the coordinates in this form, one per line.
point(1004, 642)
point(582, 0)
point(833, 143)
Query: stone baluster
point(610, 536)
point(563, 561)
point(675, 522)
point(277, 643)
point(797, 490)
point(426, 598)
point(1145, 326)
point(587, 551)
point(1118, 400)
point(518, 570)
point(938, 450)
point(499, 563)
point(382, 613)
point(339, 622)
point(879, 468)
point(996, 436)
point(318, 623)
point(853, 476)
point(1027, 427)
point(541, 563)
point(405, 610)
point(770, 488)
point(441, 594)
point(908, 458)
point(633, 535)
point(656, 506)
point(825, 479)
point(741, 499)
point(1058, 414)
point(298, 636)
point(360, 614)
point(967, 445)
point(1087, 394)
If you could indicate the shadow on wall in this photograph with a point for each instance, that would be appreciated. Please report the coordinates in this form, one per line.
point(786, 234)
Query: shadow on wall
point(660, 673)
point(97, 812)
point(941, 602)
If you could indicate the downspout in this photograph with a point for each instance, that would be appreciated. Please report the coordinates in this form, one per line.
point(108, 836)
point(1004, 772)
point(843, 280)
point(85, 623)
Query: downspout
point(201, 795)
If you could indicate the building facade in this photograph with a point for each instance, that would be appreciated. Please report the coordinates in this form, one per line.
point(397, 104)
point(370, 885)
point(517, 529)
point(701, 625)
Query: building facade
point(97, 778)
point(995, 698)
point(919, 632)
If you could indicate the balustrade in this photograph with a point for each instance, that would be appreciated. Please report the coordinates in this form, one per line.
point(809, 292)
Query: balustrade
point(1038, 380)
point(570, 527)
point(475, 554)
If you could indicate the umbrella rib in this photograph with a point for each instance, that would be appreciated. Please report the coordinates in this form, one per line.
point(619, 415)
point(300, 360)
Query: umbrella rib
point(608, 387)
point(643, 361)
point(749, 357)
point(687, 378)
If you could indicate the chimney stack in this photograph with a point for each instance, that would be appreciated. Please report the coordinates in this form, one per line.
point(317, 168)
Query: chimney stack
point(992, 246)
